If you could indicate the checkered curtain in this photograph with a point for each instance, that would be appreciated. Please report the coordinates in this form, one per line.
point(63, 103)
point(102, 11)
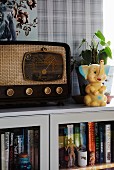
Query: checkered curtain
point(69, 21)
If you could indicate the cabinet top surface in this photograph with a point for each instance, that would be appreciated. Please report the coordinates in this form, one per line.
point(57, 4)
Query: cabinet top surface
point(46, 110)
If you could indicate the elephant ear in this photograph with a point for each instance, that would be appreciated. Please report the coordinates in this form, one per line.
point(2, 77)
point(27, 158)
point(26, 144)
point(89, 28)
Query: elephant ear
point(83, 69)
point(106, 68)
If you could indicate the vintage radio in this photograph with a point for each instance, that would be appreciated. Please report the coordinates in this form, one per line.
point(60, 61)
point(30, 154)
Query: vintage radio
point(34, 72)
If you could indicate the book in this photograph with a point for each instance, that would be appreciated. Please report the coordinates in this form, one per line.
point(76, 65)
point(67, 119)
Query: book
point(77, 140)
point(62, 144)
point(18, 144)
point(112, 141)
point(64, 163)
point(30, 149)
point(77, 135)
point(36, 149)
point(70, 161)
point(97, 143)
point(61, 136)
point(2, 152)
point(107, 146)
point(65, 136)
point(11, 151)
point(70, 128)
point(101, 136)
point(6, 136)
point(83, 136)
point(91, 143)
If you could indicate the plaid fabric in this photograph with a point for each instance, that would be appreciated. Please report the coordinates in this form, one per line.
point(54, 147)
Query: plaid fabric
point(69, 21)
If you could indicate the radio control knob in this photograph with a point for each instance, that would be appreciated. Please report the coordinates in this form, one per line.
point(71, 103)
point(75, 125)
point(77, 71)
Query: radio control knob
point(10, 92)
point(29, 91)
point(59, 90)
point(47, 90)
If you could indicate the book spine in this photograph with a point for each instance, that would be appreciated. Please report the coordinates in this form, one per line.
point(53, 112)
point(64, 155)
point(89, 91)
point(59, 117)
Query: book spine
point(31, 146)
point(77, 135)
point(11, 151)
point(20, 144)
point(91, 142)
point(107, 143)
point(97, 143)
point(77, 140)
point(65, 136)
point(101, 135)
point(83, 136)
point(2, 152)
point(70, 132)
point(36, 148)
point(61, 145)
point(66, 157)
point(112, 142)
point(7, 150)
point(15, 150)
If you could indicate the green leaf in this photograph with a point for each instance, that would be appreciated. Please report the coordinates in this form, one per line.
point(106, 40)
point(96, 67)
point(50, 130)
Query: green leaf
point(102, 43)
point(103, 56)
point(87, 56)
point(82, 42)
point(100, 35)
point(108, 43)
point(108, 52)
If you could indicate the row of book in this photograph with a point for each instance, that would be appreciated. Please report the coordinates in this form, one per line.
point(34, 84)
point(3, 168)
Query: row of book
point(17, 142)
point(94, 138)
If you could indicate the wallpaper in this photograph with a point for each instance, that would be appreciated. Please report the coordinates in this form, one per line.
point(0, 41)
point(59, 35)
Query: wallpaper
point(18, 20)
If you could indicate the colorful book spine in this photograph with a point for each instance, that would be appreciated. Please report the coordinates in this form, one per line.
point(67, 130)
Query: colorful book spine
point(65, 136)
point(83, 135)
point(97, 143)
point(2, 152)
point(77, 135)
point(91, 142)
point(7, 150)
point(107, 147)
point(77, 140)
point(66, 157)
point(101, 136)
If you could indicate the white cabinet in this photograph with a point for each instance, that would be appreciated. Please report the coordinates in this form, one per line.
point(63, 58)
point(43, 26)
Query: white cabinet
point(24, 118)
point(70, 116)
point(48, 120)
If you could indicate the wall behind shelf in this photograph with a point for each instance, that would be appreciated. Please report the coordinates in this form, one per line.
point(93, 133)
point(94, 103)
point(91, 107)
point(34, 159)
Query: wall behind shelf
point(69, 21)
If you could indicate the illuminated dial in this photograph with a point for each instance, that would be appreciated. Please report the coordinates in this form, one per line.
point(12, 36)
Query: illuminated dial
point(42, 66)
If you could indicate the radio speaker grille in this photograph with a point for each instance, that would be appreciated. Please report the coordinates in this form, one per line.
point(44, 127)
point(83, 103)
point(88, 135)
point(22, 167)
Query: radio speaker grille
point(11, 57)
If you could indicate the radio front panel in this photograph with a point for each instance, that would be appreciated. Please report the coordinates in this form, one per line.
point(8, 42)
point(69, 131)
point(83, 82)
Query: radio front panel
point(34, 70)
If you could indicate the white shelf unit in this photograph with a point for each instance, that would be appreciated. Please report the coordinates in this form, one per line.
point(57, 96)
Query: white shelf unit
point(14, 118)
point(49, 119)
point(75, 115)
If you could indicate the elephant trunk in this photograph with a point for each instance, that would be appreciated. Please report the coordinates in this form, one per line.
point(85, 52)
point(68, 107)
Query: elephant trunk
point(101, 75)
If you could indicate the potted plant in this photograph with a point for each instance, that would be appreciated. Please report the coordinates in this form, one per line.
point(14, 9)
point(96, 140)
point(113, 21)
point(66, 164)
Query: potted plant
point(98, 49)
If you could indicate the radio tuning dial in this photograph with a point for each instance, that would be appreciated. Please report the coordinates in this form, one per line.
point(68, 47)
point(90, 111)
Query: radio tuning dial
point(29, 91)
point(59, 90)
point(47, 90)
point(10, 92)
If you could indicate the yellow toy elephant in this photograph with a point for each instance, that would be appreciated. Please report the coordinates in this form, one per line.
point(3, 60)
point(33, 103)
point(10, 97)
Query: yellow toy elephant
point(96, 75)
